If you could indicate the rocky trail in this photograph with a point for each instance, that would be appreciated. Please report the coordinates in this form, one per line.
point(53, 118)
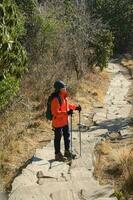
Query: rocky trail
point(45, 179)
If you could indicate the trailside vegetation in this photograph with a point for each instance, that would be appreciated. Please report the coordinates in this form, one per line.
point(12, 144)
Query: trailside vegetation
point(55, 35)
point(118, 15)
point(12, 53)
point(63, 41)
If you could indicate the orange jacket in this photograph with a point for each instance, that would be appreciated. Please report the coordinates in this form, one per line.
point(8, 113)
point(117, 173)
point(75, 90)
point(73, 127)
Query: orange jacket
point(59, 112)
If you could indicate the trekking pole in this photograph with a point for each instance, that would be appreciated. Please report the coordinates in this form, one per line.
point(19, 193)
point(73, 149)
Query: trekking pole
point(71, 133)
point(80, 131)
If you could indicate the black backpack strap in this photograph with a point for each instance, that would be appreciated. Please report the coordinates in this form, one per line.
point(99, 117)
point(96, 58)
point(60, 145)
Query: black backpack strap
point(56, 95)
point(59, 99)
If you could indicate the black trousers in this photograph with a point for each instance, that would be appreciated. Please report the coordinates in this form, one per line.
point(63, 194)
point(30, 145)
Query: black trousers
point(57, 139)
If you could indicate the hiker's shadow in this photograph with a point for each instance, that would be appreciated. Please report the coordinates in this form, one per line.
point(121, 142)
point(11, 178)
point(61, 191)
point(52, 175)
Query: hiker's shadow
point(117, 124)
point(36, 159)
point(114, 128)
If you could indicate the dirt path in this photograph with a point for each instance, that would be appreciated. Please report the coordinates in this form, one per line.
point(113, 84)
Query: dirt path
point(45, 179)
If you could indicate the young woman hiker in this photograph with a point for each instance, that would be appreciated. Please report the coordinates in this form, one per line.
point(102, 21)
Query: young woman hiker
point(60, 120)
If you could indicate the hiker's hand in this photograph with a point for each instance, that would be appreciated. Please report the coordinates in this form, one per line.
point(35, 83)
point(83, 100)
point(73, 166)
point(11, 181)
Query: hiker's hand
point(78, 108)
point(70, 112)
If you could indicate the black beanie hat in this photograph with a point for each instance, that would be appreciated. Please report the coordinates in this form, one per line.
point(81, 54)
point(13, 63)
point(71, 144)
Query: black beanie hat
point(59, 85)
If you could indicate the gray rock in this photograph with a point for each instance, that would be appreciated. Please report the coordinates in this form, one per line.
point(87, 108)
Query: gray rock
point(3, 196)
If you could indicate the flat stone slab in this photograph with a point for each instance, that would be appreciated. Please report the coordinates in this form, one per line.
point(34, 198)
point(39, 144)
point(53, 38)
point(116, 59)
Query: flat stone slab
point(3, 196)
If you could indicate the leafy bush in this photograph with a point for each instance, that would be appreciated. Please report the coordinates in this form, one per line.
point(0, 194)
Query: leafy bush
point(103, 47)
point(13, 55)
point(119, 16)
point(9, 87)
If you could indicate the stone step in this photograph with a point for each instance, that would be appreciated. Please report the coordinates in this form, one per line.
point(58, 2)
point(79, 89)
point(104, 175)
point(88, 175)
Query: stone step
point(57, 189)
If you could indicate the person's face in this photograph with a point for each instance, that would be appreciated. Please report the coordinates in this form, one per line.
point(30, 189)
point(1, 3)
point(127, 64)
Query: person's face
point(63, 91)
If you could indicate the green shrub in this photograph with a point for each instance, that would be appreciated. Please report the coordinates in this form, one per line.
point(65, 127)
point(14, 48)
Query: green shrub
point(13, 55)
point(119, 16)
point(103, 48)
point(9, 87)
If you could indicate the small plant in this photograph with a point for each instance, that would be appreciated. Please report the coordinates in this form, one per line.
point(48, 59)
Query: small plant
point(119, 195)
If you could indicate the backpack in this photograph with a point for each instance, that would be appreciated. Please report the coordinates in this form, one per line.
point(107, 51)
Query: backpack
point(49, 115)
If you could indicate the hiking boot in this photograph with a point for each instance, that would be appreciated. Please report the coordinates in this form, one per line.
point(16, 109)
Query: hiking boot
point(69, 155)
point(59, 157)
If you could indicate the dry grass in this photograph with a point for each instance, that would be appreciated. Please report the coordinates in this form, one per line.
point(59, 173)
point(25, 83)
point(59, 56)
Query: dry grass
point(126, 62)
point(114, 165)
point(92, 89)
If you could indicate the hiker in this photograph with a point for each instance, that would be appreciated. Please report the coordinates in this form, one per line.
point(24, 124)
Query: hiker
point(60, 120)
